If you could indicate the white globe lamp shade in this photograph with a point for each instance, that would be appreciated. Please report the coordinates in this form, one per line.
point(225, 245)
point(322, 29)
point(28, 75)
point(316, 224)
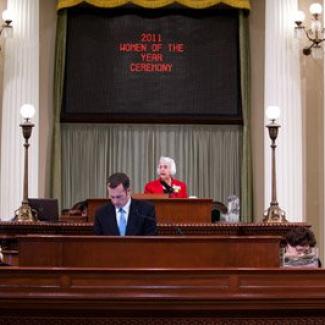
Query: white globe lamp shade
point(299, 16)
point(273, 112)
point(7, 15)
point(27, 111)
point(316, 9)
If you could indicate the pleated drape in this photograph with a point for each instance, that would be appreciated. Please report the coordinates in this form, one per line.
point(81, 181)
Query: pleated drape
point(246, 167)
point(59, 68)
point(208, 157)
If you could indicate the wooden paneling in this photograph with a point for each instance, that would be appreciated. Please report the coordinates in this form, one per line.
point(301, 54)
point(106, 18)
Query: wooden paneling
point(156, 296)
point(149, 252)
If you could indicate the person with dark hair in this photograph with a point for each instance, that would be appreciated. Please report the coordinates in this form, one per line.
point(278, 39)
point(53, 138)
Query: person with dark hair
point(300, 248)
point(166, 183)
point(80, 208)
point(124, 216)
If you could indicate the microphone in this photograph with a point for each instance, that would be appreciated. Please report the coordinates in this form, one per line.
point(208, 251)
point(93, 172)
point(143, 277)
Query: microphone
point(151, 225)
point(178, 229)
point(167, 188)
point(145, 217)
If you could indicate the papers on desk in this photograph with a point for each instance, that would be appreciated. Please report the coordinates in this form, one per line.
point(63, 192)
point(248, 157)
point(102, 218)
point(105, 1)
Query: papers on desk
point(309, 260)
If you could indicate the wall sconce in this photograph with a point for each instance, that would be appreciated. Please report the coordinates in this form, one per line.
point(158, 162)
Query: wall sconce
point(24, 213)
point(6, 29)
point(315, 34)
point(274, 213)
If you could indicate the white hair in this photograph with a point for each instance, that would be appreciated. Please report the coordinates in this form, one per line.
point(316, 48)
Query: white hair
point(168, 161)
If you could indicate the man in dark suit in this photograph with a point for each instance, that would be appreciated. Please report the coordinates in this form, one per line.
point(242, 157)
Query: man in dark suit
point(124, 216)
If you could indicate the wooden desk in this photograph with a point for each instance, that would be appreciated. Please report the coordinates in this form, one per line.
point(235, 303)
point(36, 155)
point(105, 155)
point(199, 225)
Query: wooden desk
point(198, 293)
point(168, 210)
point(149, 252)
point(10, 230)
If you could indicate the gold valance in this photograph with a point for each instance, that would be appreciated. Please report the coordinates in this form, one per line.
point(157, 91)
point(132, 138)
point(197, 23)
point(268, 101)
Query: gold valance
point(195, 4)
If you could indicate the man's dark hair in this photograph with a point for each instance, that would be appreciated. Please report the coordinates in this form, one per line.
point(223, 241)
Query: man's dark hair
point(301, 236)
point(118, 178)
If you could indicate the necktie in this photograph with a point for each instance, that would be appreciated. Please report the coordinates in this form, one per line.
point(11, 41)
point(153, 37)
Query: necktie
point(122, 222)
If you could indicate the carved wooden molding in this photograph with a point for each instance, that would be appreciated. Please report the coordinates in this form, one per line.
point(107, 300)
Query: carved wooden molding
point(237, 229)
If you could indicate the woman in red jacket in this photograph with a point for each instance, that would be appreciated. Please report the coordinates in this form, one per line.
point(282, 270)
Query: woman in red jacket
point(166, 183)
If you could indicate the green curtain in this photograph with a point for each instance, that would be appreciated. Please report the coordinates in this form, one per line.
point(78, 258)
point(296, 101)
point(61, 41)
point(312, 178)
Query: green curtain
point(208, 157)
point(246, 167)
point(61, 32)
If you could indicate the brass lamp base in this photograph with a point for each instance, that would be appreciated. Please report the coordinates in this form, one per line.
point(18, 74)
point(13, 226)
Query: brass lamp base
point(274, 214)
point(24, 214)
